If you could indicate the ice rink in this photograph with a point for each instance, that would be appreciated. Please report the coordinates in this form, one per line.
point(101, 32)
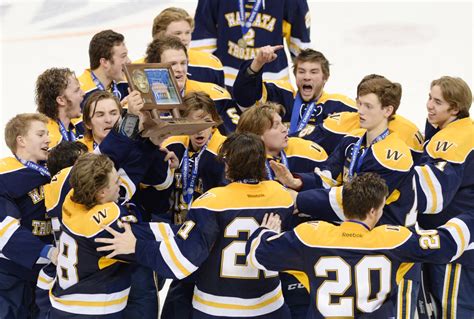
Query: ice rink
point(408, 42)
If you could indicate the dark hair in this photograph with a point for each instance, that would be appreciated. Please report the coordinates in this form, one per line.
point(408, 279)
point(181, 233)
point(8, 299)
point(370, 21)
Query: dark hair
point(89, 175)
point(101, 46)
point(362, 193)
point(244, 154)
point(310, 55)
point(366, 78)
point(159, 45)
point(64, 155)
point(91, 103)
point(199, 100)
point(388, 93)
point(49, 85)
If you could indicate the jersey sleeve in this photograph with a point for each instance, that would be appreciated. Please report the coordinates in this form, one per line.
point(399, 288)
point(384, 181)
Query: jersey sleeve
point(17, 243)
point(179, 256)
point(298, 21)
point(205, 26)
point(266, 250)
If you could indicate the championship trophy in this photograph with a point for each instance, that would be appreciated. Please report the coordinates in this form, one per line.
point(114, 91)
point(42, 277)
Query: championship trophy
point(158, 88)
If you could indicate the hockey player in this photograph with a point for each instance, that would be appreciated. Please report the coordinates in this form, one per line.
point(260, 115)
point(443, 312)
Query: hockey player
point(25, 229)
point(168, 49)
point(350, 269)
point(202, 66)
point(235, 30)
point(59, 97)
point(211, 242)
point(444, 189)
point(107, 55)
point(305, 108)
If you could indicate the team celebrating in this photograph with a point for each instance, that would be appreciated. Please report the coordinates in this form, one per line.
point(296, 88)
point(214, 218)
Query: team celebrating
point(297, 203)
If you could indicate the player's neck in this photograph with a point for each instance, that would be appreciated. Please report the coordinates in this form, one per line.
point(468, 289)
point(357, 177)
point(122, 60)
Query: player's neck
point(273, 153)
point(373, 133)
point(21, 153)
point(102, 76)
point(97, 140)
point(62, 116)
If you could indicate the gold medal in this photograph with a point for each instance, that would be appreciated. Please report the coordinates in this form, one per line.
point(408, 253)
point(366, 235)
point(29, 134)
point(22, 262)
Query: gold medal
point(242, 43)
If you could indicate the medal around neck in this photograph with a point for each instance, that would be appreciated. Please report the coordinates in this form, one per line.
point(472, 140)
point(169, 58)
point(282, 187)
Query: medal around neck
point(162, 101)
point(242, 43)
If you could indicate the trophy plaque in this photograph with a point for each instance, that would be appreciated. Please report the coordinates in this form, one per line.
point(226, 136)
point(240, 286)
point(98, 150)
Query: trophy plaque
point(159, 90)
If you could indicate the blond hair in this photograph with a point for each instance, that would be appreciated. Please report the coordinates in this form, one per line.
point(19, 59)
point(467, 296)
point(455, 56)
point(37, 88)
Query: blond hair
point(166, 17)
point(19, 126)
point(259, 118)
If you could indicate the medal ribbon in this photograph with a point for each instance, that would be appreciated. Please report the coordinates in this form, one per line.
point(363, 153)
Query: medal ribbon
point(67, 135)
point(189, 183)
point(248, 181)
point(356, 149)
point(295, 115)
point(358, 222)
point(41, 169)
point(245, 25)
point(284, 160)
point(115, 90)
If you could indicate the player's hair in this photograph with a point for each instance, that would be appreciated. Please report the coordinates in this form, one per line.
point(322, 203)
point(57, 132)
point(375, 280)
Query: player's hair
point(198, 100)
point(388, 93)
point(89, 175)
point(259, 118)
point(161, 44)
point(64, 155)
point(91, 105)
point(362, 193)
point(102, 45)
point(49, 85)
point(366, 78)
point(167, 16)
point(19, 126)
point(244, 155)
point(313, 56)
point(457, 93)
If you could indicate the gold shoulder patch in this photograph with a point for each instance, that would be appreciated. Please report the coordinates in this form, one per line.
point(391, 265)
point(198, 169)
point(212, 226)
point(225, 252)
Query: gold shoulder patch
point(215, 91)
point(266, 194)
point(342, 123)
point(87, 142)
point(76, 120)
point(359, 132)
point(54, 133)
point(298, 147)
point(86, 223)
point(10, 164)
point(393, 153)
point(216, 141)
point(453, 143)
point(138, 61)
point(204, 59)
point(52, 191)
point(181, 139)
point(408, 132)
point(337, 97)
point(86, 82)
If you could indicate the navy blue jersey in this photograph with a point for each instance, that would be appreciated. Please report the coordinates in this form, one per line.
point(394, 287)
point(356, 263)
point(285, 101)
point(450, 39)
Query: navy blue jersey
point(211, 243)
point(218, 29)
point(350, 270)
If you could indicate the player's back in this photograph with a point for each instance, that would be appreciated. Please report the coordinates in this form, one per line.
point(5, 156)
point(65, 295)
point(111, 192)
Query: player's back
point(225, 284)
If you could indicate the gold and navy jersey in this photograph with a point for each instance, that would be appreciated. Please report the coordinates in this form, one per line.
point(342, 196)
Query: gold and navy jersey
point(55, 135)
point(202, 67)
point(218, 29)
point(211, 244)
point(25, 227)
point(390, 158)
point(168, 197)
point(336, 126)
point(350, 270)
point(445, 180)
point(88, 86)
point(250, 89)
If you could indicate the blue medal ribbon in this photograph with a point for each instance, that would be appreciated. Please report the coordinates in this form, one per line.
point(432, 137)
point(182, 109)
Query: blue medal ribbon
point(41, 169)
point(115, 90)
point(355, 152)
point(295, 115)
point(358, 222)
point(189, 183)
point(284, 160)
point(245, 25)
point(67, 135)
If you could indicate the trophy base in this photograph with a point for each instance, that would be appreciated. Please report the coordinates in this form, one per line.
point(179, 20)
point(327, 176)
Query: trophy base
point(159, 128)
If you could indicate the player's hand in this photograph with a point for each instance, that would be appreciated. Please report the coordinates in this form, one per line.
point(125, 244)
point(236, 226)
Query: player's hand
point(135, 102)
point(265, 55)
point(284, 176)
point(54, 255)
point(171, 157)
point(272, 221)
point(121, 244)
